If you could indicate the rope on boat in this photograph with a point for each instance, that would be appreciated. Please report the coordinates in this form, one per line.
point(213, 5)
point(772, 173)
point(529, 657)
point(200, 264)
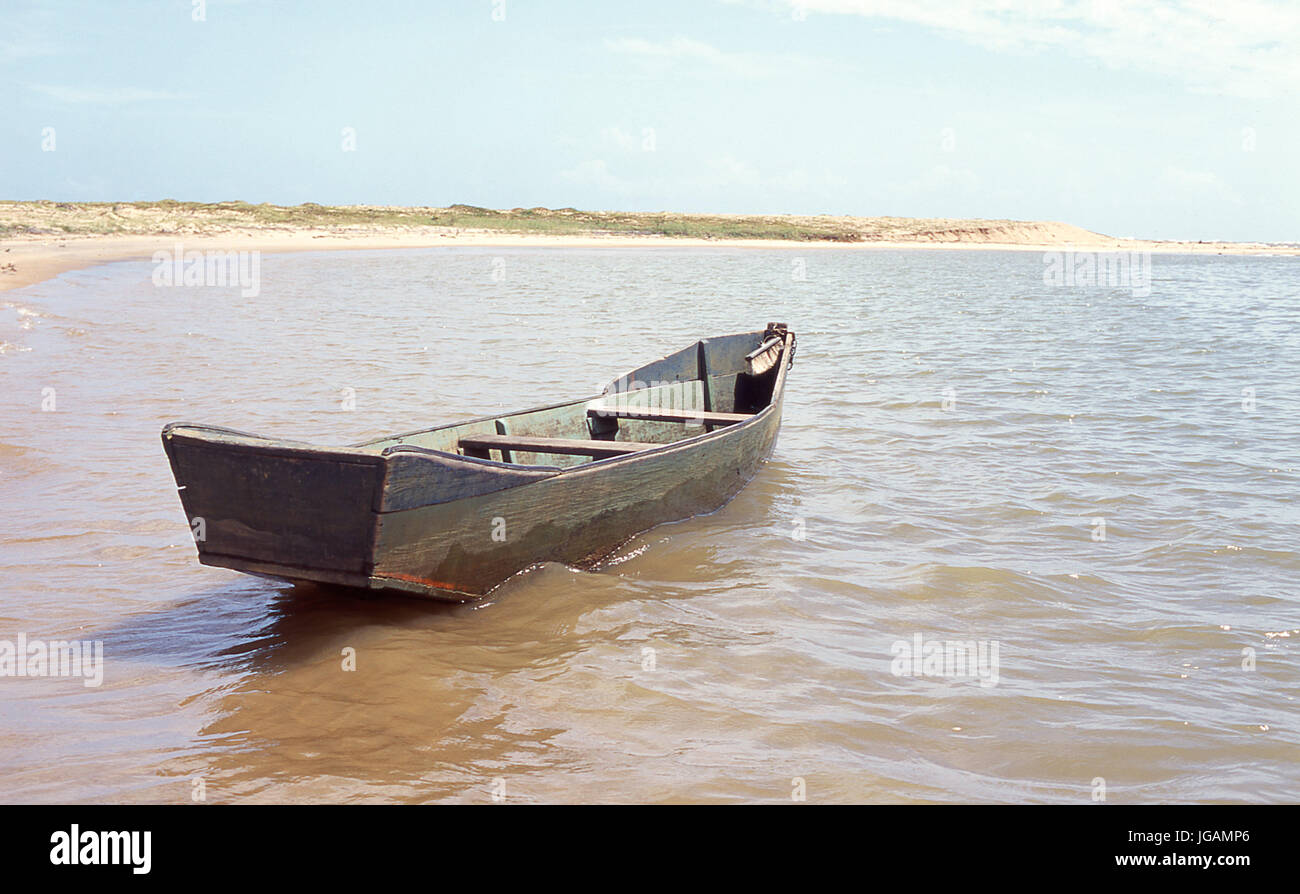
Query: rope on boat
point(781, 330)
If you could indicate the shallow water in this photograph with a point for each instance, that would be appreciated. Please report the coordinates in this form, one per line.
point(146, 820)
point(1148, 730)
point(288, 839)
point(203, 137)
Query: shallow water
point(954, 431)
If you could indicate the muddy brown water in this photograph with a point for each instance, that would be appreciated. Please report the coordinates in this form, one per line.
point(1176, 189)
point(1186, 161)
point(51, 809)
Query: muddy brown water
point(1100, 484)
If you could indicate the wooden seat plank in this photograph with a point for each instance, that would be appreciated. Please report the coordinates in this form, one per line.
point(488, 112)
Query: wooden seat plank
point(558, 446)
point(700, 417)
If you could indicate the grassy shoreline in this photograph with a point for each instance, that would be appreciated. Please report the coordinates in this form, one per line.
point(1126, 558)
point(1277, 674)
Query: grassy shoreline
point(47, 218)
point(42, 239)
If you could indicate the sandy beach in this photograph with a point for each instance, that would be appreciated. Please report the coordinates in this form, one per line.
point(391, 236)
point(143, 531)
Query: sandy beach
point(40, 240)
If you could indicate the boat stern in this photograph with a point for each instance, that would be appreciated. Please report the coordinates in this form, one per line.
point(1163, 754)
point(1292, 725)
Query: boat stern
point(274, 507)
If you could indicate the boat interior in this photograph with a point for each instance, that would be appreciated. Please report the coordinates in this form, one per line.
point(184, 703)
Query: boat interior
point(710, 385)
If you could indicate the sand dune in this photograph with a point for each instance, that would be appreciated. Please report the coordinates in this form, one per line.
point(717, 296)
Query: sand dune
point(39, 240)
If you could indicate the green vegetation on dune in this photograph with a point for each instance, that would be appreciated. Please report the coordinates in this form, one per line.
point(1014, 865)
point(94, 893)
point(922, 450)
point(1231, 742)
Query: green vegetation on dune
point(171, 216)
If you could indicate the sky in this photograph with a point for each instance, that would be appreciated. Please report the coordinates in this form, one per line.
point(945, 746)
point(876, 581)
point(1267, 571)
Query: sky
point(1168, 119)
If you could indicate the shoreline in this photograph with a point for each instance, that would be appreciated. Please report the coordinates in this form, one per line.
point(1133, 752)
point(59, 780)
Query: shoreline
point(30, 259)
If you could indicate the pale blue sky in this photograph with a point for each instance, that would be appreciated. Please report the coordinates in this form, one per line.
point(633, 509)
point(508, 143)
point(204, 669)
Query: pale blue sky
point(1146, 118)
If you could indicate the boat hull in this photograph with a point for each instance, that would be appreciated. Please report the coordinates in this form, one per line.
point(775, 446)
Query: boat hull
point(576, 518)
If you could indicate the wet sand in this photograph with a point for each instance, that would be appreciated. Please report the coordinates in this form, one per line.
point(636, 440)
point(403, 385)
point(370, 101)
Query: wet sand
point(28, 259)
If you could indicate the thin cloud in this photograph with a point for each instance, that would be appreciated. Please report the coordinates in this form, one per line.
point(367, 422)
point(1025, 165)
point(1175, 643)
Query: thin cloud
point(24, 35)
point(687, 51)
point(620, 139)
point(1243, 47)
point(1199, 185)
point(596, 173)
point(102, 95)
point(719, 173)
point(729, 171)
point(21, 51)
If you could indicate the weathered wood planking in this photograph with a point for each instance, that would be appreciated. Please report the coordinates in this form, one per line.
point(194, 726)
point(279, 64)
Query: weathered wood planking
point(417, 476)
point(656, 415)
point(577, 517)
point(265, 500)
point(412, 513)
point(555, 446)
point(764, 357)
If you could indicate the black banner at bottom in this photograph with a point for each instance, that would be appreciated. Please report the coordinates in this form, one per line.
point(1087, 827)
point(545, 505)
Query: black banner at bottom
point(332, 844)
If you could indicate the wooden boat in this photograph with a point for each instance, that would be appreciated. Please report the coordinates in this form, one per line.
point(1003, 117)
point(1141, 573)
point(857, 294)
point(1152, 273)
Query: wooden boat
point(451, 512)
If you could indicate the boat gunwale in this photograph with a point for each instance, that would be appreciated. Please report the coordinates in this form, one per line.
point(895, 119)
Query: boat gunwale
point(694, 440)
point(492, 417)
point(272, 446)
point(356, 453)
